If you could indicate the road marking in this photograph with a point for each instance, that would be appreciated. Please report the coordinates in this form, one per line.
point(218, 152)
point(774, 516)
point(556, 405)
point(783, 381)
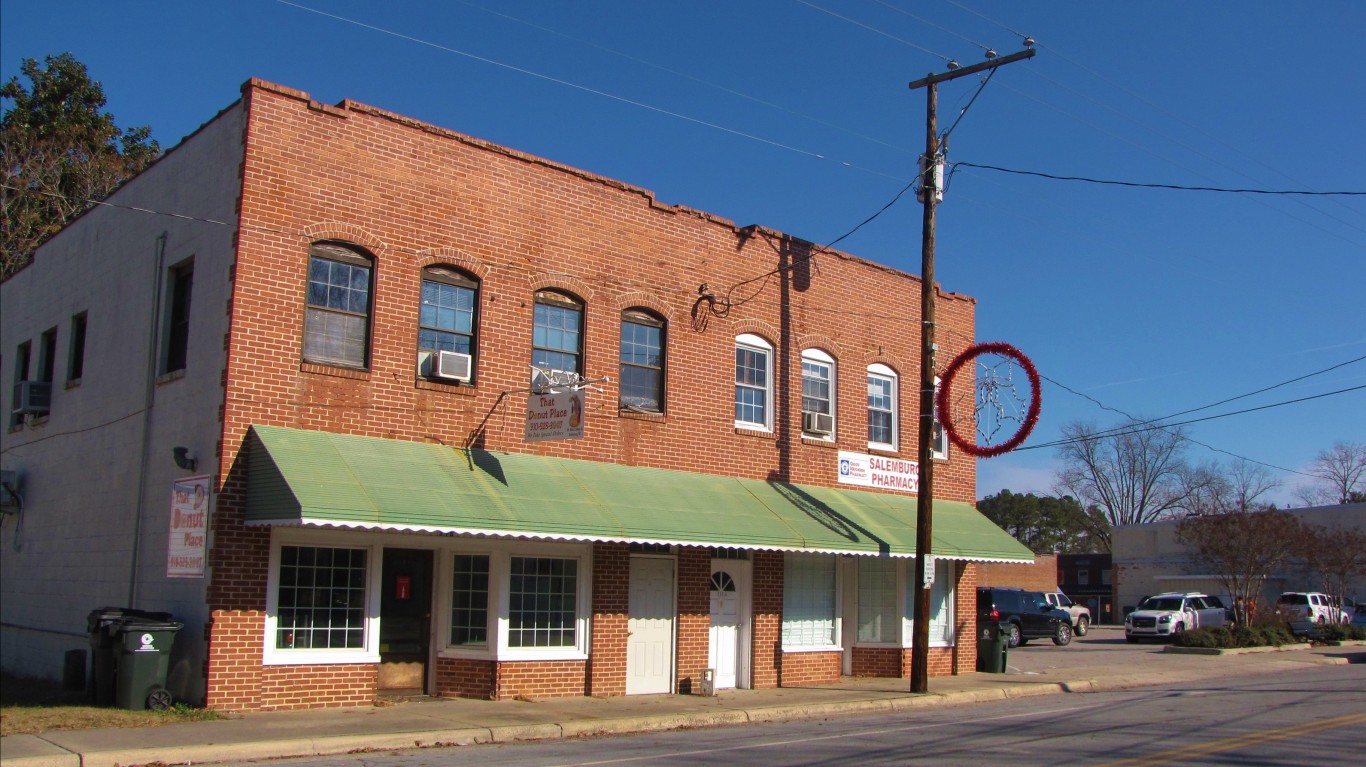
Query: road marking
point(1241, 741)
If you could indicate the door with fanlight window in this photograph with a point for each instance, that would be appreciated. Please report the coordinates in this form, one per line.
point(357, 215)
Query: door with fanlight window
point(726, 639)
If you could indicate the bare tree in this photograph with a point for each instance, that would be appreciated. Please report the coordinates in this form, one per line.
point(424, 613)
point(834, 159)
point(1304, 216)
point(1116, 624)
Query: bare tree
point(1341, 473)
point(1224, 490)
point(1337, 557)
point(1128, 475)
point(1242, 548)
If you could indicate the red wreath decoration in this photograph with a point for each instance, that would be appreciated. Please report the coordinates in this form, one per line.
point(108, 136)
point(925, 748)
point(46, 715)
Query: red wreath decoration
point(941, 399)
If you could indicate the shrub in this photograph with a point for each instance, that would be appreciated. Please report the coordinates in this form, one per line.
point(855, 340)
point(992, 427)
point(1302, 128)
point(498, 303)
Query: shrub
point(1198, 638)
point(1336, 632)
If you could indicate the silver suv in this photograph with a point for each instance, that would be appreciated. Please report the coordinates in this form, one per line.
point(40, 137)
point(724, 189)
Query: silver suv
point(1166, 615)
point(1309, 606)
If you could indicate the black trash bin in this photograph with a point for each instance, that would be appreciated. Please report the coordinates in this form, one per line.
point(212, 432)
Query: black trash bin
point(993, 643)
point(106, 625)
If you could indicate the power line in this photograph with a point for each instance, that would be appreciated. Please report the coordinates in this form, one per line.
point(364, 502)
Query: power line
point(875, 30)
point(1149, 185)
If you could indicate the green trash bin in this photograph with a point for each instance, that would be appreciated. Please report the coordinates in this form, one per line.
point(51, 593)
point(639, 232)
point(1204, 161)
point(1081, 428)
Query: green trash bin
point(144, 658)
point(102, 624)
point(992, 645)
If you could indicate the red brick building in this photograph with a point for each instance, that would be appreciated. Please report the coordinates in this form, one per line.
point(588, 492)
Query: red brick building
point(694, 502)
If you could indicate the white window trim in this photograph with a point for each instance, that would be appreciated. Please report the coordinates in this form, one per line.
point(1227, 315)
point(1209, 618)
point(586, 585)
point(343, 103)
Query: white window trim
point(500, 556)
point(817, 355)
point(755, 343)
point(882, 371)
point(278, 656)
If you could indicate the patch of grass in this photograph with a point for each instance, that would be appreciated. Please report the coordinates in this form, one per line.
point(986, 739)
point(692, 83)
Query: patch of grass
point(30, 706)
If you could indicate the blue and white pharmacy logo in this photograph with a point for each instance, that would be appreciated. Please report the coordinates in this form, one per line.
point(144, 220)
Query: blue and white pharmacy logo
point(844, 467)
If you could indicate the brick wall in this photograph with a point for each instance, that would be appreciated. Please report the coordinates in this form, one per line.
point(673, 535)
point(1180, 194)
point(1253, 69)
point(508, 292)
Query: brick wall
point(415, 195)
point(611, 603)
point(767, 607)
point(540, 679)
point(807, 668)
point(1042, 575)
point(464, 678)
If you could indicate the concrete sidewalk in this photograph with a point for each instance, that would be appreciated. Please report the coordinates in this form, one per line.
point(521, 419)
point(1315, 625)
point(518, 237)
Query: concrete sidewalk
point(426, 723)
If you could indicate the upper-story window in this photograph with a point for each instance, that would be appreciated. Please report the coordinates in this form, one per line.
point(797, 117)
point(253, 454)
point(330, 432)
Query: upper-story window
point(448, 320)
point(818, 394)
point(753, 382)
point(557, 332)
point(642, 361)
point(337, 324)
point(75, 358)
point(180, 284)
point(940, 437)
point(882, 415)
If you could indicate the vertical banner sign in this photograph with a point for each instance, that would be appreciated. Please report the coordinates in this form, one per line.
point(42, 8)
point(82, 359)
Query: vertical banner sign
point(189, 527)
point(879, 471)
point(554, 416)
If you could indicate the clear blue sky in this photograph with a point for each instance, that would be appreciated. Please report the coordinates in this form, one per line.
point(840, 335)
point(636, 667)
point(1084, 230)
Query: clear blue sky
point(796, 115)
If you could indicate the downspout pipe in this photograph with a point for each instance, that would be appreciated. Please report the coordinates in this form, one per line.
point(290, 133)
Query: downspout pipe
point(149, 397)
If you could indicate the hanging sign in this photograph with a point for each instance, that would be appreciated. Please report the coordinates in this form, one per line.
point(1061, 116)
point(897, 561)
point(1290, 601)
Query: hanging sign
point(556, 415)
point(879, 472)
point(189, 528)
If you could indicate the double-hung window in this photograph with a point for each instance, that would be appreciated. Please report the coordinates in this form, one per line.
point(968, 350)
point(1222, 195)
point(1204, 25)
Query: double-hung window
point(337, 323)
point(877, 603)
point(177, 333)
point(941, 603)
point(753, 382)
point(448, 318)
point(882, 399)
point(642, 361)
point(557, 333)
point(818, 394)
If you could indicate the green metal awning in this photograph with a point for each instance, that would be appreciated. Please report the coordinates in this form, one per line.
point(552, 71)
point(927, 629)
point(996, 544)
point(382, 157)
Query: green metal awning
point(298, 477)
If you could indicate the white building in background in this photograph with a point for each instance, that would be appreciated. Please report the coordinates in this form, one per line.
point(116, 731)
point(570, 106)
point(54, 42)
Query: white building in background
point(1148, 559)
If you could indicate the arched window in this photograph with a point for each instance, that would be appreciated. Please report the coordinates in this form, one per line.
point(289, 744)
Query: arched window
point(557, 332)
point(882, 407)
point(337, 322)
point(818, 394)
point(753, 382)
point(448, 321)
point(642, 361)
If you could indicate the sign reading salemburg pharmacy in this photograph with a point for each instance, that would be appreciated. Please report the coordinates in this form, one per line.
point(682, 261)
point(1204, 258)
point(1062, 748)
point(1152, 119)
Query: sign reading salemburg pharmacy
point(879, 471)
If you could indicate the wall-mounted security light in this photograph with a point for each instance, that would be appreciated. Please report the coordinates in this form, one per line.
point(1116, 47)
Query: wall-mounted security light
point(183, 459)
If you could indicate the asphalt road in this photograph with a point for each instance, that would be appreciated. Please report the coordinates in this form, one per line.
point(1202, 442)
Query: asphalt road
point(1313, 717)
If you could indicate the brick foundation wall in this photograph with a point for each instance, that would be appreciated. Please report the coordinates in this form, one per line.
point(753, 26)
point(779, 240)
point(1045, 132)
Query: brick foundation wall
point(234, 665)
point(541, 679)
point(293, 687)
point(464, 678)
point(808, 668)
point(879, 661)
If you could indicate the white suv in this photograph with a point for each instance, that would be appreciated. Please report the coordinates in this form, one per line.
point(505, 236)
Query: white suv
point(1309, 606)
point(1166, 615)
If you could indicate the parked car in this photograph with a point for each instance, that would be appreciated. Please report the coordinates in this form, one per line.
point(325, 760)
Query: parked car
point(1309, 606)
point(1359, 619)
point(1080, 614)
point(1027, 613)
point(1172, 613)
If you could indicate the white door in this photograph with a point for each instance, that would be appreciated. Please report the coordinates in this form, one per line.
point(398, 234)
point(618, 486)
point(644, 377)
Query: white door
point(723, 648)
point(650, 627)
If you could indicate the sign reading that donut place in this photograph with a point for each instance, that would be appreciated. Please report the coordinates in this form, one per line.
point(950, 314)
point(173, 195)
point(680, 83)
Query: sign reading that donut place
point(554, 416)
point(879, 471)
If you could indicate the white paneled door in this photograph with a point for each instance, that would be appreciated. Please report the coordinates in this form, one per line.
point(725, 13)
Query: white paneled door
point(728, 584)
point(650, 646)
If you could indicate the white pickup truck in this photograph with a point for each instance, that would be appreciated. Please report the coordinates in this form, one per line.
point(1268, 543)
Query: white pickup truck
point(1081, 616)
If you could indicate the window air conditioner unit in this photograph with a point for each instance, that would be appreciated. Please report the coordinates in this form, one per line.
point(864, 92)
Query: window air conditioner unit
point(817, 423)
point(32, 397)
point(453, 366)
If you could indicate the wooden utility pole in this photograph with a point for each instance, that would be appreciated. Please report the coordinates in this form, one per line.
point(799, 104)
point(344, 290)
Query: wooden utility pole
point(924, 506)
